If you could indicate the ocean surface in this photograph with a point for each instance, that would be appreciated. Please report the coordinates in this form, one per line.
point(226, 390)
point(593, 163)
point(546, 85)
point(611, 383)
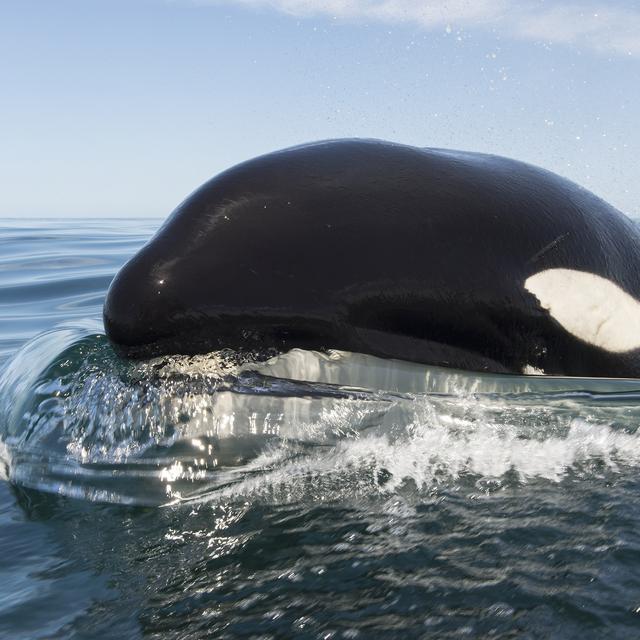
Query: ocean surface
point(312, 496)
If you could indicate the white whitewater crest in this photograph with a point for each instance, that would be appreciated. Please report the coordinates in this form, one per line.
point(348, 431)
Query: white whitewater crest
point(78, 421)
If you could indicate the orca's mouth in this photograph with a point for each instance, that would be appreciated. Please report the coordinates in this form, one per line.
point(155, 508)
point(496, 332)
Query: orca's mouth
point(193, 334)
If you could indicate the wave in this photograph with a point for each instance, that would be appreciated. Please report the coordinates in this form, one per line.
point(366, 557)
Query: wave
point(77, 420)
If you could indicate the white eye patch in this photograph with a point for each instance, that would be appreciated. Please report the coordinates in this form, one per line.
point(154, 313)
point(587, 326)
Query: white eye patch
point(589, 307)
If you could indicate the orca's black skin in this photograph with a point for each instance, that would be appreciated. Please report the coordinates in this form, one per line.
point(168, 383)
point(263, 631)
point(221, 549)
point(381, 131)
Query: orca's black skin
point(378, 248)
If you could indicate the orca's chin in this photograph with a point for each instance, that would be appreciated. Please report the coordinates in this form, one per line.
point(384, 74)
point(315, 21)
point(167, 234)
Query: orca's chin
point(143, 351)
point(190, 340)
point(150, 346)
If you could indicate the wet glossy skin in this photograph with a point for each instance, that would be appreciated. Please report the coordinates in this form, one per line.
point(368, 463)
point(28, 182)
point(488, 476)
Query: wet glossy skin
point(367, 246)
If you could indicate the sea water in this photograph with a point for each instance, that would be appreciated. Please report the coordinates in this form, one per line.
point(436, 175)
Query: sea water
point(314, 495)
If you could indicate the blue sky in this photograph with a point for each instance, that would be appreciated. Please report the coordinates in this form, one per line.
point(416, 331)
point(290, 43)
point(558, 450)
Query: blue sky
point(121, 108)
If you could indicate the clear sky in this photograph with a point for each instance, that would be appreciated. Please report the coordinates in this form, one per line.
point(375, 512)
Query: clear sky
point(122, 107)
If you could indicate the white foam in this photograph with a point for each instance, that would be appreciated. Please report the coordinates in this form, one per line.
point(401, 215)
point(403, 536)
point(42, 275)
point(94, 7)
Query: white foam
point(439, 447)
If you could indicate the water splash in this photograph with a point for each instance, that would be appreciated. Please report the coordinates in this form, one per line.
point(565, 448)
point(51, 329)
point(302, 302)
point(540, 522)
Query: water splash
point(79, 421)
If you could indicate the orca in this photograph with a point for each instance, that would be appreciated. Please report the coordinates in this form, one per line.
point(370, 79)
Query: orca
point(441, 257)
